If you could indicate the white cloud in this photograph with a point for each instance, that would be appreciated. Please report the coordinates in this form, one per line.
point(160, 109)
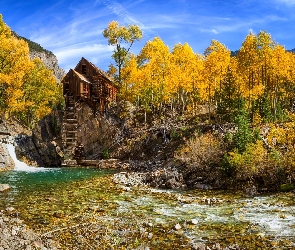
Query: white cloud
point(251, 31)
point(235, 25)
point(68, 57)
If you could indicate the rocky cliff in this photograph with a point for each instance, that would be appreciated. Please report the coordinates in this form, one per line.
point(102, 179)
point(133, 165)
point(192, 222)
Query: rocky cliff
point(8, 130)
point(6, 162)
point(50, 61)
point(42, 146)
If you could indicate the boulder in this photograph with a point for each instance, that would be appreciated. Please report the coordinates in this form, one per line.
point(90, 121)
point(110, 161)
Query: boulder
point(6, 162)
point(167, 178)
point(250, 190)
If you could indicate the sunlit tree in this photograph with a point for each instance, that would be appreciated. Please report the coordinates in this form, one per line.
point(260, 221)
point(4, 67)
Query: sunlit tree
point(122, 38)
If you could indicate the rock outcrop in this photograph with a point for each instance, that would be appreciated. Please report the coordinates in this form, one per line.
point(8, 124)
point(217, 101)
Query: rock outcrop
point(42, 147)
point(50, 61)
point(6, 162)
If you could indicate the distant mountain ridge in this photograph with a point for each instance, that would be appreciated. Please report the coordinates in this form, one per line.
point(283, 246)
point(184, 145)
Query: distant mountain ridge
point(33, 46)
point(46, 56)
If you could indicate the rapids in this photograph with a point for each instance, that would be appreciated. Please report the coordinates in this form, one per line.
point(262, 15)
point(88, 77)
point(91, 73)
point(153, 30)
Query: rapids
point(58, 200)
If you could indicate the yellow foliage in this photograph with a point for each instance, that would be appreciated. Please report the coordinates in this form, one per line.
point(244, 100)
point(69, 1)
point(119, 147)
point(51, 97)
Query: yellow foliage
point(257, 119)
point(249, 163)
point(201, 151)
point(282, 134)
point(28, 89)
point(185, 79)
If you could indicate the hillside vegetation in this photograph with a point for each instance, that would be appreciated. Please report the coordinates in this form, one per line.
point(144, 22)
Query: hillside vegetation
point(252, 90)
point(28, 90)
point(33, 46)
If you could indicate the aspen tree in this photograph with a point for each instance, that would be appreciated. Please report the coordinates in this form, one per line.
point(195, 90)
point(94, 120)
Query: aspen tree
point(118, 36)
point(217, 59)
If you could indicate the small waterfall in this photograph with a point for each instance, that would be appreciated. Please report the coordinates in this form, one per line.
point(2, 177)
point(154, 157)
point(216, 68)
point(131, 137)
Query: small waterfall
point(19, 165)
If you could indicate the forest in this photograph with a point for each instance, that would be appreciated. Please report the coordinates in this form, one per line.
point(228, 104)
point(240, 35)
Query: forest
point(252, 91)
point(28, 90)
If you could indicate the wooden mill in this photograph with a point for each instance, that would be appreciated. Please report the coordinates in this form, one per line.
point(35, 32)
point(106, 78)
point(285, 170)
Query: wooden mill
point(84, 84)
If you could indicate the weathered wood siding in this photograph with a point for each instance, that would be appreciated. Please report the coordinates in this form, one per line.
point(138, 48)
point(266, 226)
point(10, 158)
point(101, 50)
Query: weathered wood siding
point(90, 84)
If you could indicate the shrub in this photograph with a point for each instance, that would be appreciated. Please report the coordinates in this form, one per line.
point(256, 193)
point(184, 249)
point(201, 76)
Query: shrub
point(106, 154)
point(248, 163)
point(287, 187)
point(201, 152)
point(256, 163)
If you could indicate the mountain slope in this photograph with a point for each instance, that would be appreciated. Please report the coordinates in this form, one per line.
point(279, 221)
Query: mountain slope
point(46, 56)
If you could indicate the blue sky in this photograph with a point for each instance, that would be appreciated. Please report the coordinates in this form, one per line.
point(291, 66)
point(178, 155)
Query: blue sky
point(72, 29)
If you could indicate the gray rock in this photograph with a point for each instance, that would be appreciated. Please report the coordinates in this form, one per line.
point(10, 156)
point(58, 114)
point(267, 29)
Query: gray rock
point(38, 148)
point(50, 61)
point(165, 178)
point(14, 235)
point(194, 222)
point(199, 246)
point(10, 209)
point(202, 186)
point(6, 162)
point(250, 190)
point(150, 236)
point(177, 226)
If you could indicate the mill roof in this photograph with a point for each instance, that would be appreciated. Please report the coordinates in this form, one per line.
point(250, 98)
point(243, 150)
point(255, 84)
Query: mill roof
point(83, 78)
point(101, 72)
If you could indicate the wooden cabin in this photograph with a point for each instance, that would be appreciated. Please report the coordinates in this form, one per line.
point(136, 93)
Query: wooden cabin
point(90, 84)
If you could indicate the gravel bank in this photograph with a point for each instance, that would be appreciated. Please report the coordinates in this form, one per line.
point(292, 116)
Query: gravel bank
point(15, 235)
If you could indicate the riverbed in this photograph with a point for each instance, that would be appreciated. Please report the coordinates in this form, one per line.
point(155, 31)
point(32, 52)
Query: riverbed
point(83, 209)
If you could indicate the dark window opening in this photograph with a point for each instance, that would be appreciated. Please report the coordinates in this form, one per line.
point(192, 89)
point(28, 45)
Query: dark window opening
point(83, 69)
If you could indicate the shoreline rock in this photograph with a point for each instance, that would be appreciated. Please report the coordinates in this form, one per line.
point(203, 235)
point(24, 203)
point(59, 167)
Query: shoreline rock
point(167, 178)
point(15, 235)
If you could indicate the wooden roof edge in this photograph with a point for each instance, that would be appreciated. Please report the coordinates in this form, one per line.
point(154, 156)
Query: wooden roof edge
point(83, 78)
point(100, 71)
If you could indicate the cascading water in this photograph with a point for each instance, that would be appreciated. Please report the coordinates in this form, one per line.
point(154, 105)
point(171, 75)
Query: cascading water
point(263, 222)
point(19, 165)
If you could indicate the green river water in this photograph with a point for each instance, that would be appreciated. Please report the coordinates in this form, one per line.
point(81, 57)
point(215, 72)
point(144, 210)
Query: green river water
point(83, 209)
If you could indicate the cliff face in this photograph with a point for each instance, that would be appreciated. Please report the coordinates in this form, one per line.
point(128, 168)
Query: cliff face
point(6, 162)
point(42, 147)
point(50, 61)
point(8, 130)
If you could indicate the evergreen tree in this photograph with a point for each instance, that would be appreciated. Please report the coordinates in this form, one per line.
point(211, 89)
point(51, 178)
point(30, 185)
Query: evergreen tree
point(243, 136)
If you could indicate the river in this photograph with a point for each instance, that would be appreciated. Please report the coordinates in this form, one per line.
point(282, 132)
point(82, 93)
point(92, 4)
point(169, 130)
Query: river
point(83, 209)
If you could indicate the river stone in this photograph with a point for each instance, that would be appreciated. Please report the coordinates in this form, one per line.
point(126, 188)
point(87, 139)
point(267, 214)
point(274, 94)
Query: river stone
point(150, 236)
point(250, 190)
point(199, 246)
point(38, 244)
point(4, 187)
point(177, 226)
point(193, 222)
point(10, 209)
